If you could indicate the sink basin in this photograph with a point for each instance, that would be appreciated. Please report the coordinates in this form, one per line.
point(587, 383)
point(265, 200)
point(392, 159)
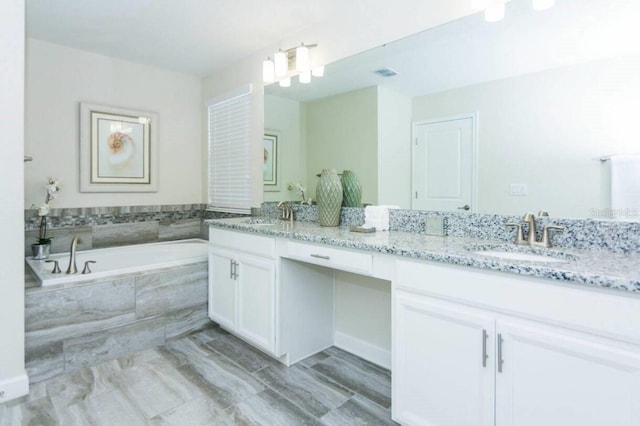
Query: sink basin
point(261, 222)
point(514, 255)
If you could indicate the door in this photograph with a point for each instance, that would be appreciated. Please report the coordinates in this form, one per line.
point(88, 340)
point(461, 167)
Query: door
point(443, 366)
point(256, 301)
point(222, 288)
point(443, 165)
point(554, 377)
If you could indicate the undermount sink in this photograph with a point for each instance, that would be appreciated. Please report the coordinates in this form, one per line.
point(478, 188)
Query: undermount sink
point(261, 222)
point(529, 257)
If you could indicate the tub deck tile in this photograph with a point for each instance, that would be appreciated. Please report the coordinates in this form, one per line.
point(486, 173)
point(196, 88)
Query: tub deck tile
point(103, 345)
point(174, 290)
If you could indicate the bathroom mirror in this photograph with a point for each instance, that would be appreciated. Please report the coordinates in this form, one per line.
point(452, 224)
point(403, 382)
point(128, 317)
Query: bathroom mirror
point(550, 93)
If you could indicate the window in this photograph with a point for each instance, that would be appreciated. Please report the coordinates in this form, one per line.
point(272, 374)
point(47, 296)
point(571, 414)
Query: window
point(229, 152)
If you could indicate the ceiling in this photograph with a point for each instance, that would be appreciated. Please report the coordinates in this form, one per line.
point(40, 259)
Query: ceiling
point(192, 36)
point(470, 51)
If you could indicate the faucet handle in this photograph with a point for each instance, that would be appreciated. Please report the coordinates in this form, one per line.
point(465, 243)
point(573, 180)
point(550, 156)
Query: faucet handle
point(519, 236)
point(56, 267)
point(86, 269)
point(546, 240)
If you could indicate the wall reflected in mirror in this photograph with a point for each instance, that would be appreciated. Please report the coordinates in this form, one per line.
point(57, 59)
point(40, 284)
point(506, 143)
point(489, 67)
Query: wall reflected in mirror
point(551, 93)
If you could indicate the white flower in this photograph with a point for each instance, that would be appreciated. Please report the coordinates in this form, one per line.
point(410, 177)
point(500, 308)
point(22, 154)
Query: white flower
point(43, 210)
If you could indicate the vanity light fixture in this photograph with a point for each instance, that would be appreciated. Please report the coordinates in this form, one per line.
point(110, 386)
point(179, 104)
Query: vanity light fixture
point(289, 62)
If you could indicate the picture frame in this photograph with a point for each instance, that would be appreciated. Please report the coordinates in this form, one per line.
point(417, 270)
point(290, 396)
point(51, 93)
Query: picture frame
point(118, 149)
point(270, 172)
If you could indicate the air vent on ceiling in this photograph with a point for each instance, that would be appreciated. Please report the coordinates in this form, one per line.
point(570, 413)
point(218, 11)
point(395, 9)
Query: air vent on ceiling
point(385, 72)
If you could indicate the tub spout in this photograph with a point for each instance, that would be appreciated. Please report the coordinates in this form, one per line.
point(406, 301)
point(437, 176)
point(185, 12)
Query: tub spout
point(73, 269)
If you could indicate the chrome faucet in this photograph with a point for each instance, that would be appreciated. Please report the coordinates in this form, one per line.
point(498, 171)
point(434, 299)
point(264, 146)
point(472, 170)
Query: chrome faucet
point(73, 269)
point(287, 211)
point(531, 220)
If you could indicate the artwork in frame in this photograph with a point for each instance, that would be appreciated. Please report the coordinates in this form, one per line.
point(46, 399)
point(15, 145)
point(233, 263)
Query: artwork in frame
point(118, 149)
point(270, 167)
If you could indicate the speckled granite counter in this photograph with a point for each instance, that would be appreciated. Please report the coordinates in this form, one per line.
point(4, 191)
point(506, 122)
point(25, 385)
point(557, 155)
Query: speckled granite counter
point(593, 268)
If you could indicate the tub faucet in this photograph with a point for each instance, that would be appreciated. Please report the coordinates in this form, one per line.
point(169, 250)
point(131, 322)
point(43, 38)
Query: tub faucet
point(73, 269)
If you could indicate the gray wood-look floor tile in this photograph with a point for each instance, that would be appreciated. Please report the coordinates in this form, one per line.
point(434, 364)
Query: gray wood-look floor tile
point(269, 408)
point(358, 411)
point(241, 353)
point(372, 383)
point(311, 391)
point(209, 378)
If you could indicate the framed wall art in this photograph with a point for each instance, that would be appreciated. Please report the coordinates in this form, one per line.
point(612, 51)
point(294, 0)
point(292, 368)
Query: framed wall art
point(118, 149)
point(270, 168)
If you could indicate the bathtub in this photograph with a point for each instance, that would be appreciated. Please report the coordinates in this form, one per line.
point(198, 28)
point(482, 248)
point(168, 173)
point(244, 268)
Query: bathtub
point(116, 261)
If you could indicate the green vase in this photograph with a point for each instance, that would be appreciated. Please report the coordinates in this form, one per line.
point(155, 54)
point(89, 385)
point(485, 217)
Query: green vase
point(329, 198)
point(351, 188)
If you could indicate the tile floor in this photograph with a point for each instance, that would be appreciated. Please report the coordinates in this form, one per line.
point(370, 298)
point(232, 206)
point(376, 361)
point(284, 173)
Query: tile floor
point(210, 378)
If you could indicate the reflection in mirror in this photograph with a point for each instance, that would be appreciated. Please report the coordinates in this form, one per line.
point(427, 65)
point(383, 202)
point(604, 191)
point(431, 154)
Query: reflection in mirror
point(549, 93)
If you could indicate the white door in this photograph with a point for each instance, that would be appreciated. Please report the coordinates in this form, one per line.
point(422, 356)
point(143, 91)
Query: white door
point(256, 301)
point(555, 377)
point(443, 364)
point(443, 175)
point(222, 288)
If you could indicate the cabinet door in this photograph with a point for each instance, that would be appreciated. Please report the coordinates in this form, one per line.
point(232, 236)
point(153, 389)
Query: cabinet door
point(552, 376)
point(256, 301)
point(222, 289)
point(441, 374)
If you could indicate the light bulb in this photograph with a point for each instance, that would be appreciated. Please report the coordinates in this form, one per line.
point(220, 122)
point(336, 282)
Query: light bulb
point(318, 71)
point(285, 82)
point(302, 58)
point(543, 4)
point(305, 77)
point(268, 74)
point(281, 63)
point(495, 12)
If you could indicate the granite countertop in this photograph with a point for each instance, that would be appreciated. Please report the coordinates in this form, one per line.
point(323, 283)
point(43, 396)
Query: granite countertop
point(597, 268)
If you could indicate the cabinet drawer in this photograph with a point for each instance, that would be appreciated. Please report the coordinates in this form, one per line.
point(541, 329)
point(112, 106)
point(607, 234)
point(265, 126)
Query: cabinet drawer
point(246, 243)
point(343, 259)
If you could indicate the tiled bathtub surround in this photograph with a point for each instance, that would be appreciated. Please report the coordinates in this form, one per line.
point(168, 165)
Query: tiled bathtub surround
point(100, 227)
point(583, 234)
point(71, 327)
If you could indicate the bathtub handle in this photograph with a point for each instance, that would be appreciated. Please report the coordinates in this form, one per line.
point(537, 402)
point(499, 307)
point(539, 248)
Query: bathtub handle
point(56, 267)
point(86, 269)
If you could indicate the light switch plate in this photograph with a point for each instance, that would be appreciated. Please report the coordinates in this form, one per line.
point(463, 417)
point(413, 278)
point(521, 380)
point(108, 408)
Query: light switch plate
point(518, 189)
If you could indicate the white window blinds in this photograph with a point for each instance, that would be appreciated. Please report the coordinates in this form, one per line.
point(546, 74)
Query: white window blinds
point(229, 153)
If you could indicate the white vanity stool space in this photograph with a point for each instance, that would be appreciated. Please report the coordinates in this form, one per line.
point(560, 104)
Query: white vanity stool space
point(470, 346)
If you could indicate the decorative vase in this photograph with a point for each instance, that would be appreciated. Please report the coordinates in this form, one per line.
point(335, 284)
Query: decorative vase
point(40, 251)
point(329, 198)
point(351, 188)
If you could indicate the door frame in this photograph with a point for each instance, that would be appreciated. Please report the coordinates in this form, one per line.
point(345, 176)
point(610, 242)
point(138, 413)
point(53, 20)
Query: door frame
point(474, 116)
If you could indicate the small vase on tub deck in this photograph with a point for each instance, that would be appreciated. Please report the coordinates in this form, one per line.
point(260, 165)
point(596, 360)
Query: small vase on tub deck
point(329, 198)
point(40, 251)
point(351, 188)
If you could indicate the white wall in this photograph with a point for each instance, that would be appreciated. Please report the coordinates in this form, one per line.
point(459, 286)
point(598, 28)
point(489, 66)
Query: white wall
point(546, 130)
point(394, 148)
point(286, 118)
point(342, 134)
point(13, 378)
point(59, 78)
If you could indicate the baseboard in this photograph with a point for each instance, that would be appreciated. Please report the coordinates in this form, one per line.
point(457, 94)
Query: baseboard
point(372, 353)
point(14, 387)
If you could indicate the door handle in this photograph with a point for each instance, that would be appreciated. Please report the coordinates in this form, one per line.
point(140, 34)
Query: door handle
point(500, 360)
point(485, 356)
point(465, 207)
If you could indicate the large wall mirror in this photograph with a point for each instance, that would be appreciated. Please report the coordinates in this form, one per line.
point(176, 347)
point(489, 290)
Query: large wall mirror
point(547, 94)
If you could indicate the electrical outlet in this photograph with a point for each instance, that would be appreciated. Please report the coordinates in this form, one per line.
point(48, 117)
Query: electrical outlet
point(436, 225)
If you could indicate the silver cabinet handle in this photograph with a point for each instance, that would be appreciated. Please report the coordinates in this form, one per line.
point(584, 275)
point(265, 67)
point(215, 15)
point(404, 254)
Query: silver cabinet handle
point(485, 356)
point(500, 360)
point(319, 256)
point(465, 207)
point(235, 270)
point(231, 262)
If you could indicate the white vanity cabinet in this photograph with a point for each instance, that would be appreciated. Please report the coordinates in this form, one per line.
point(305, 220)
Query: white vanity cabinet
point(482, 348)
point(242, 286)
